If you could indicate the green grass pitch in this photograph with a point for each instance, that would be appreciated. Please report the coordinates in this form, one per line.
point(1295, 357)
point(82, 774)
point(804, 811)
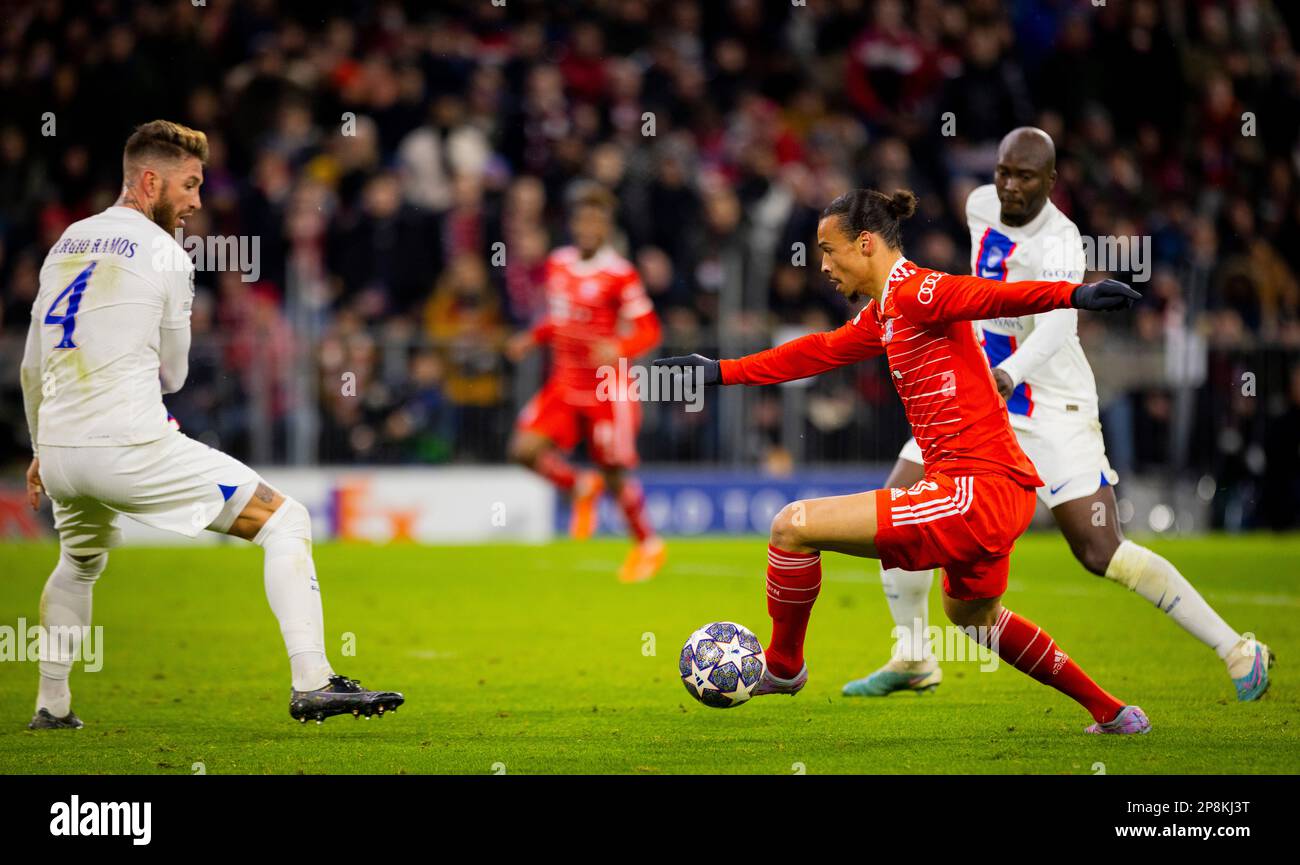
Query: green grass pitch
point(523, 660)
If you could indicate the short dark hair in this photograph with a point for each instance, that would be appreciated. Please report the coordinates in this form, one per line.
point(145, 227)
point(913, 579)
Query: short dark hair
point(591, 194)
point(862, 210)
point(166, 140)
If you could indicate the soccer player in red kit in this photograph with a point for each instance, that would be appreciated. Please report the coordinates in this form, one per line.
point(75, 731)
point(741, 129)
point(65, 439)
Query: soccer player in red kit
point(598, 314)
point(977, 495)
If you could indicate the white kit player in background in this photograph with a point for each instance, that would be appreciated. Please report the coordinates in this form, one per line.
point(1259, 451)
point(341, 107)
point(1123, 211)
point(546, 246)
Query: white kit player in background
point(1041, 371)
point(110, 334)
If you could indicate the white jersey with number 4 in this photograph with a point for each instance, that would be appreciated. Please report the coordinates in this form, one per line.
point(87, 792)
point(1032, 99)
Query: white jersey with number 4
point(108, 287)
point(1047, 248)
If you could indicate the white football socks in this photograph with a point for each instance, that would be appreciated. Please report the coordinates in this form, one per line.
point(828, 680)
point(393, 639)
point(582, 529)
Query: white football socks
point(908, 593)
point(65, 610)
point(1155, 579)
point(294, 594)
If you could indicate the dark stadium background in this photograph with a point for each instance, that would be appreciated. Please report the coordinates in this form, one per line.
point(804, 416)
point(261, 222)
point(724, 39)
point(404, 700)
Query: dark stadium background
point(472, 121)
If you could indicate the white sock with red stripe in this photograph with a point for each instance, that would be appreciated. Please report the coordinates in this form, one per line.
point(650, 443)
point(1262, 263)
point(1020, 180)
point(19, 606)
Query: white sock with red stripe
point(908, 594)
point(793, 581)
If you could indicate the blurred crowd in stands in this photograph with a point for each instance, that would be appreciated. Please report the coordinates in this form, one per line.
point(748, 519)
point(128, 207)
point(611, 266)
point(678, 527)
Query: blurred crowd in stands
point(404, 167)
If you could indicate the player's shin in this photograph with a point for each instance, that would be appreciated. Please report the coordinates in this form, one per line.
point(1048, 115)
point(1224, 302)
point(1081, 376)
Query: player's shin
point(65, 614)
point(556, 469)
point(294, 594)
point(631, 499)
point(1155, 579)
point(1032, 651)
point(793, 581)
point(908, 594)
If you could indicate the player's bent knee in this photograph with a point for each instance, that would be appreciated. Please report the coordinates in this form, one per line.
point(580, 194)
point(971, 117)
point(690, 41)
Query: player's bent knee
point(1096, 556)
point(787, 527)
point(84, 568)
point(965, 618)
point(972, 614)
point(524, 453)
point(290, 520)
point(956, 614)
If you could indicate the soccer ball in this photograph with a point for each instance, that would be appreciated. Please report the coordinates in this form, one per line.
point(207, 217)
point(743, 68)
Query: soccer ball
point(721, 663)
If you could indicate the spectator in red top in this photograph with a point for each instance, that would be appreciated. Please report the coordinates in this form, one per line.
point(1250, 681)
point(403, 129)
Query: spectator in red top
point(891, 71)
point(583, 64)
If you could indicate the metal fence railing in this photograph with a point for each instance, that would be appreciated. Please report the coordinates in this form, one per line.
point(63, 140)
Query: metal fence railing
point(361, 395)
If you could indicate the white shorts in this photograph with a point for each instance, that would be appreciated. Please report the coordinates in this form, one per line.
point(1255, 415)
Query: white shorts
point(1068, 453)
point(912, 453)
point(174, 483)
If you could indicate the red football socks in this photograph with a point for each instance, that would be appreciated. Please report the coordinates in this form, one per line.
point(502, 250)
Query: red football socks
point(1032, 651)
point(793, 581)
point(556, 469)
point(632, 500)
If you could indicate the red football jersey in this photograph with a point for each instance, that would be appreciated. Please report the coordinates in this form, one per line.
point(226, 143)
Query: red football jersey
point(586, 300)
point(922, 325)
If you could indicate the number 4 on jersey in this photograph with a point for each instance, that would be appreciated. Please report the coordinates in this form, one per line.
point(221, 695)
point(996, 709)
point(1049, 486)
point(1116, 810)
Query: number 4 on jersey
point(69, 317)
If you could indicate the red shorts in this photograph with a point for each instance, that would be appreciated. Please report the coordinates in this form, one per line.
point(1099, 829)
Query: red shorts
point(965, 525)
point(609, 427)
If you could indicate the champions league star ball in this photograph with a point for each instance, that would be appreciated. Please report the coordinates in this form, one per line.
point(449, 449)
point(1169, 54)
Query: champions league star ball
point(721, 663)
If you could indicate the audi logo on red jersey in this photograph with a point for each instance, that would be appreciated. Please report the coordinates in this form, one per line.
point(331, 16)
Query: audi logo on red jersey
point(925, 293)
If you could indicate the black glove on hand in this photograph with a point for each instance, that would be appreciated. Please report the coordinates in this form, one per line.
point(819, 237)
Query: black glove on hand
point(712, 368)
point(1109, 294)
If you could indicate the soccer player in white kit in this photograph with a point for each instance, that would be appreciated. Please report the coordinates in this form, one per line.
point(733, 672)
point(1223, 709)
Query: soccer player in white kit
point(1040, 370)
point(110, 334)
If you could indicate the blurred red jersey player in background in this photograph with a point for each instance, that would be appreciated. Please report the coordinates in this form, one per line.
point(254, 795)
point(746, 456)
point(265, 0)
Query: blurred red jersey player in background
point(597, 314)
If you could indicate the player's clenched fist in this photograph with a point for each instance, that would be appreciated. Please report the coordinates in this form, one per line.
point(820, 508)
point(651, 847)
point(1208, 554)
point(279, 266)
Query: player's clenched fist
point(1109, 294)
point(712, 368)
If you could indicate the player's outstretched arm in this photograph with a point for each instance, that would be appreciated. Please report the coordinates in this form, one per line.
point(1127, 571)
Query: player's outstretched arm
point(646, 333)
point(637, 312)
point(799, 358)
point(940, 298)
point(1104, 296)
point(519, 345)
point(688, 363)
point(1051, 332)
